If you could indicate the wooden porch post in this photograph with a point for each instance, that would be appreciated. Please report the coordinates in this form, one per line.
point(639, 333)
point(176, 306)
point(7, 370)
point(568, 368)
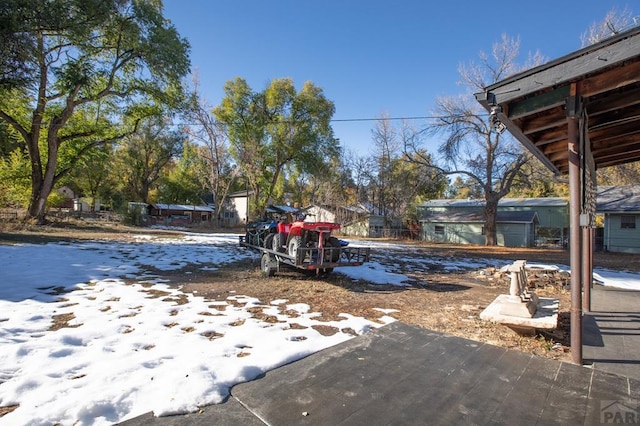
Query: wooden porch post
point(574, 223)
point(587, 267)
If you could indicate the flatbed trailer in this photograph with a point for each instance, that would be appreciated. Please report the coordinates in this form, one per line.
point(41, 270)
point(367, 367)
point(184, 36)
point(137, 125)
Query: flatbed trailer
point(308, 260)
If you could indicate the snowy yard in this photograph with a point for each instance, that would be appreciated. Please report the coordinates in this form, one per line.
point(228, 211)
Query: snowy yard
point(90, 335)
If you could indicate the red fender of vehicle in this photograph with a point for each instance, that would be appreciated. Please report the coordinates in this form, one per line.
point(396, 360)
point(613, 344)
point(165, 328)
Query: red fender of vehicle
point(283, 227)
point(298, 226)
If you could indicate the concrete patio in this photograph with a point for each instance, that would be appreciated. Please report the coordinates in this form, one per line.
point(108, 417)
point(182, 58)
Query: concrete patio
point(400, 374)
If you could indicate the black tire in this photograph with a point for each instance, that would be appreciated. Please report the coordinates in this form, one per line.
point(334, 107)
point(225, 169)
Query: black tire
point(334, 243)
point(268, 241)
point(266, 265)
point(278, 244)
point(326, 271)
point(294, 244)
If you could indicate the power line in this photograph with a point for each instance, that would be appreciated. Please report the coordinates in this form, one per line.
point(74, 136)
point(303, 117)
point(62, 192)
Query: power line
point(340, 120)
point(334, 120)
point(425, 117)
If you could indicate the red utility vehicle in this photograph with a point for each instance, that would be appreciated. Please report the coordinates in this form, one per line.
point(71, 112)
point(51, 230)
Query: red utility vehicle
point(307, 246)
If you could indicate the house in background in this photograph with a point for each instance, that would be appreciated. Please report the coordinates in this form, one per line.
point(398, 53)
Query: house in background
point(317, 213)
point(367, 221)
point(67, 192)
point(235, 209)
point(520, 222)
point(621, 209)
point(73, 201)
point(354, 220)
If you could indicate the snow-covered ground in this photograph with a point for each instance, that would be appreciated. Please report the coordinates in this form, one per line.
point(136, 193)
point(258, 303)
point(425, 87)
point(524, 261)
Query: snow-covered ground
point(131, 345)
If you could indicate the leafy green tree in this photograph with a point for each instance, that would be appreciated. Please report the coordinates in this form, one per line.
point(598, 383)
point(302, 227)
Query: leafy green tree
point(328, 184)
point(14, 179)
point(93, 174)
point(275, 128)
point(464, 189)
point(143, 156)
point(17, 44)
point(8, 140)
point(94, 68)
point(181, 184)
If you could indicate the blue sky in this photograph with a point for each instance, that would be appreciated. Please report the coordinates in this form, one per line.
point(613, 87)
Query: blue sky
point(370, 57)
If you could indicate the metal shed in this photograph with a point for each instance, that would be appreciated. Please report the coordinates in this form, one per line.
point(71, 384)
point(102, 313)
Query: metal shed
point(513, 229)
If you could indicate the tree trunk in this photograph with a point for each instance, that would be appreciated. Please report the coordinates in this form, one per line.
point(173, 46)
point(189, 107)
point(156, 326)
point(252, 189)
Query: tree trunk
point(490, 214)
point(37, 204)
point(41, 184)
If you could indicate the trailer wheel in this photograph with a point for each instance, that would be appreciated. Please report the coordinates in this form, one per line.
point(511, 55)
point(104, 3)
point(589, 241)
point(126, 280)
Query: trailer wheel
point(293, 246)
point(266, 264)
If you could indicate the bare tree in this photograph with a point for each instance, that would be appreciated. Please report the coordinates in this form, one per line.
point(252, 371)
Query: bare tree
point(386, 150)
point(472, 148)
point(362, 174)
point(218, 171)
point(614, 22)
point(397, 184)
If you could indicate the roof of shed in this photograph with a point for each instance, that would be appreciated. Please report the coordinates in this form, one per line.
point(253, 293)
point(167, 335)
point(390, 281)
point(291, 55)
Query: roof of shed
point(504, 202)
point(183, 207)
point(618, 199)
point(467, 217)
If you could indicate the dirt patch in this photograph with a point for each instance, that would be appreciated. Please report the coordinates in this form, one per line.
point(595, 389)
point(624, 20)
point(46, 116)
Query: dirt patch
point(437, 299)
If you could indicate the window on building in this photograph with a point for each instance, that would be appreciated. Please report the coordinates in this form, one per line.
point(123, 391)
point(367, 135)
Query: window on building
point(627, 221)
point(439, 230)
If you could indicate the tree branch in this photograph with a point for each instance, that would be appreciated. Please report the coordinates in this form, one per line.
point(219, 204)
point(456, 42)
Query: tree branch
point(74, 161)
point(14, 123)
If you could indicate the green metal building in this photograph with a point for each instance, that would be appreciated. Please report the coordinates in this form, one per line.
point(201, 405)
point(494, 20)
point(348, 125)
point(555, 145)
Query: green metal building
point(520, 222)
point(621, 209)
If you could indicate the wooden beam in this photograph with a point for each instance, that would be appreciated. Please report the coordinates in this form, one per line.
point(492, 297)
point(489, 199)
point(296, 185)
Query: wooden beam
point(623, 75)
point(630, 148)
point(538, 103)
point(546, 121)
point(556, 134)
point(625, 100)
point(547, 145)
point(622, 158)
point(558, 156)
point(607, 137)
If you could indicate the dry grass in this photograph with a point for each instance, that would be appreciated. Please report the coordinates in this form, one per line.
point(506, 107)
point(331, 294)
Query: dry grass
point(438, 300)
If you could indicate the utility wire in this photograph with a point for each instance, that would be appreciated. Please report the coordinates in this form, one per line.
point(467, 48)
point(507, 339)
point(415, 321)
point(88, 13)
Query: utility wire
point(426, 117)
point(333, 120)
point(345, 120)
